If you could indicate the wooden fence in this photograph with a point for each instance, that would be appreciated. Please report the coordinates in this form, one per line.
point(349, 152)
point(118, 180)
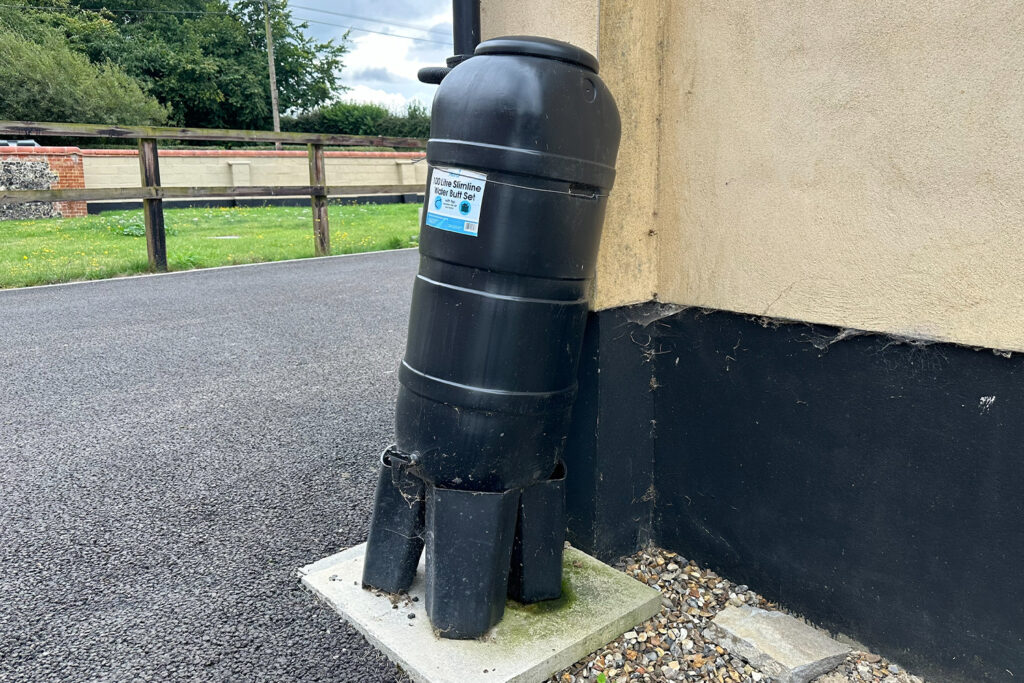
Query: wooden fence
point(152, 193)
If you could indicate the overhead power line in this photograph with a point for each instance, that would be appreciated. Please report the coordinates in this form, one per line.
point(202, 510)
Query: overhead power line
point(387, 22)
point(224, 14)
point(368, 30)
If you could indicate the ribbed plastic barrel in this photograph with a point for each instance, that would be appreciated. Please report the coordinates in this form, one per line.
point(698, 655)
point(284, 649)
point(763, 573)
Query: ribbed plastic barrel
point(522, 152)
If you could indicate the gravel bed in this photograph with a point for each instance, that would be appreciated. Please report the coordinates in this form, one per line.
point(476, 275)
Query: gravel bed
point(670, 647)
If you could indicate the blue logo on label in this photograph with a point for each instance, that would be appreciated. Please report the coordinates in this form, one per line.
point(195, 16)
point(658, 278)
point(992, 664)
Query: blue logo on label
point(437, 202)
point(464, 208)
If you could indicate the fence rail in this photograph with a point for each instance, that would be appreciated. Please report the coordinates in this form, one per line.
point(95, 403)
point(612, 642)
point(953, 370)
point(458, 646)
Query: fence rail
point(152, 193)
point(30, 129)
point(97, 194)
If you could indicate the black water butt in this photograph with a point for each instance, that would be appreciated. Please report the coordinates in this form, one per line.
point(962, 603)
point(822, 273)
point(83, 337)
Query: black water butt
point(522, 151)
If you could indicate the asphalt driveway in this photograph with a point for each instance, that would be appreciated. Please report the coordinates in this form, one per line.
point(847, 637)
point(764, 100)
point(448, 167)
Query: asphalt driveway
point(172, 448)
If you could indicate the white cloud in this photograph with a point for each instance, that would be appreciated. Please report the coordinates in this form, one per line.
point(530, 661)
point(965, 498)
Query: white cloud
point(364, 94)
point(400, 57)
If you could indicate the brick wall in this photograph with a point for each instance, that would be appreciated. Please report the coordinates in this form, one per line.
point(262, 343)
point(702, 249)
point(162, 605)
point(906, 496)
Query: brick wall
point(107, 168)
point(66, 162)
point(110, 168)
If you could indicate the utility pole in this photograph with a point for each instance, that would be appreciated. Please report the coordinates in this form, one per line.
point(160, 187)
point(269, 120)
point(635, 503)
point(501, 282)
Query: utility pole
point(273, 73)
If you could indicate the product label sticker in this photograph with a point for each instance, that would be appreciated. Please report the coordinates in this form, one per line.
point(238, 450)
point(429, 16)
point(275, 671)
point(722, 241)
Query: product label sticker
point(454, 199)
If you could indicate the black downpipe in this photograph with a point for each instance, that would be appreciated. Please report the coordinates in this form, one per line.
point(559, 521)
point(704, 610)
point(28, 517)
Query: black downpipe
point(465, 36)
point(465, 29)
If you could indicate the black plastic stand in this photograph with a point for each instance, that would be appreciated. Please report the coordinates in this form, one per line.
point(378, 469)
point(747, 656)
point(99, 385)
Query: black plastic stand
point(481, 546)
point(536, 571)
point(396, 529)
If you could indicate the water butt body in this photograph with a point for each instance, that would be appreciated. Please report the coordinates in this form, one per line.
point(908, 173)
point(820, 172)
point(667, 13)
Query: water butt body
point(522, 151)
point(521, 158)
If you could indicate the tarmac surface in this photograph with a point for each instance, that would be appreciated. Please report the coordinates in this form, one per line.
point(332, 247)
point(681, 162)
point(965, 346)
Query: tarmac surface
point(173, 448)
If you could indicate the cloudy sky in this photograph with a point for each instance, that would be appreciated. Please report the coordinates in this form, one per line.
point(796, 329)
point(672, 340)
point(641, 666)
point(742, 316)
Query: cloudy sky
point(382, 68)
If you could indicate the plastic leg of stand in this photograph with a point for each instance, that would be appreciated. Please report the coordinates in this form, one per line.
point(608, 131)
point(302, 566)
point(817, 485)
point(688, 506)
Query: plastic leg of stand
point(469, 544)
point(536, 570)
point(396, 529)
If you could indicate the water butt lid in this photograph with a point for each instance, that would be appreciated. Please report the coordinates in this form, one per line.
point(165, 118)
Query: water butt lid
point(535, 46)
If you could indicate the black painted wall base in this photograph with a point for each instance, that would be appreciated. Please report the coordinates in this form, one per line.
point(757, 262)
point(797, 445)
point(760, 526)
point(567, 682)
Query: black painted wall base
point(873, 485)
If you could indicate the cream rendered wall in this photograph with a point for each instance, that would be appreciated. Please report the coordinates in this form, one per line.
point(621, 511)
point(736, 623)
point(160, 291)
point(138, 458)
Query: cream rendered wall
point(853, 163)
point(113, 171)
point(626, 268)
point(574, 21)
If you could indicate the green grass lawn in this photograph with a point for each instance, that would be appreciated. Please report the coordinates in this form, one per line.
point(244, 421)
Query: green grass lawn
point(110, 244)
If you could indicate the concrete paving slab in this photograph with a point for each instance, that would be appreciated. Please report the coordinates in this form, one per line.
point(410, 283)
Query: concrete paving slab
point(780, 646)
point(529, 644)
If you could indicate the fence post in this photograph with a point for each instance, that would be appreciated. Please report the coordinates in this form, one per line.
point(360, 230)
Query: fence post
point(153, 209)
point(318, 179)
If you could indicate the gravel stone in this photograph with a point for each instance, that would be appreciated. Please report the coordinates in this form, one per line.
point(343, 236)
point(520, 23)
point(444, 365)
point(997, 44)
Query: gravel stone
point(674, 637)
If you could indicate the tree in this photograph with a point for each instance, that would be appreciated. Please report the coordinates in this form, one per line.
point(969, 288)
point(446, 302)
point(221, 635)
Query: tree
point(413, 123)
point(352, 118)
point(44, 78)
point(204, 61)
point(307, 71)
point(207, 61)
